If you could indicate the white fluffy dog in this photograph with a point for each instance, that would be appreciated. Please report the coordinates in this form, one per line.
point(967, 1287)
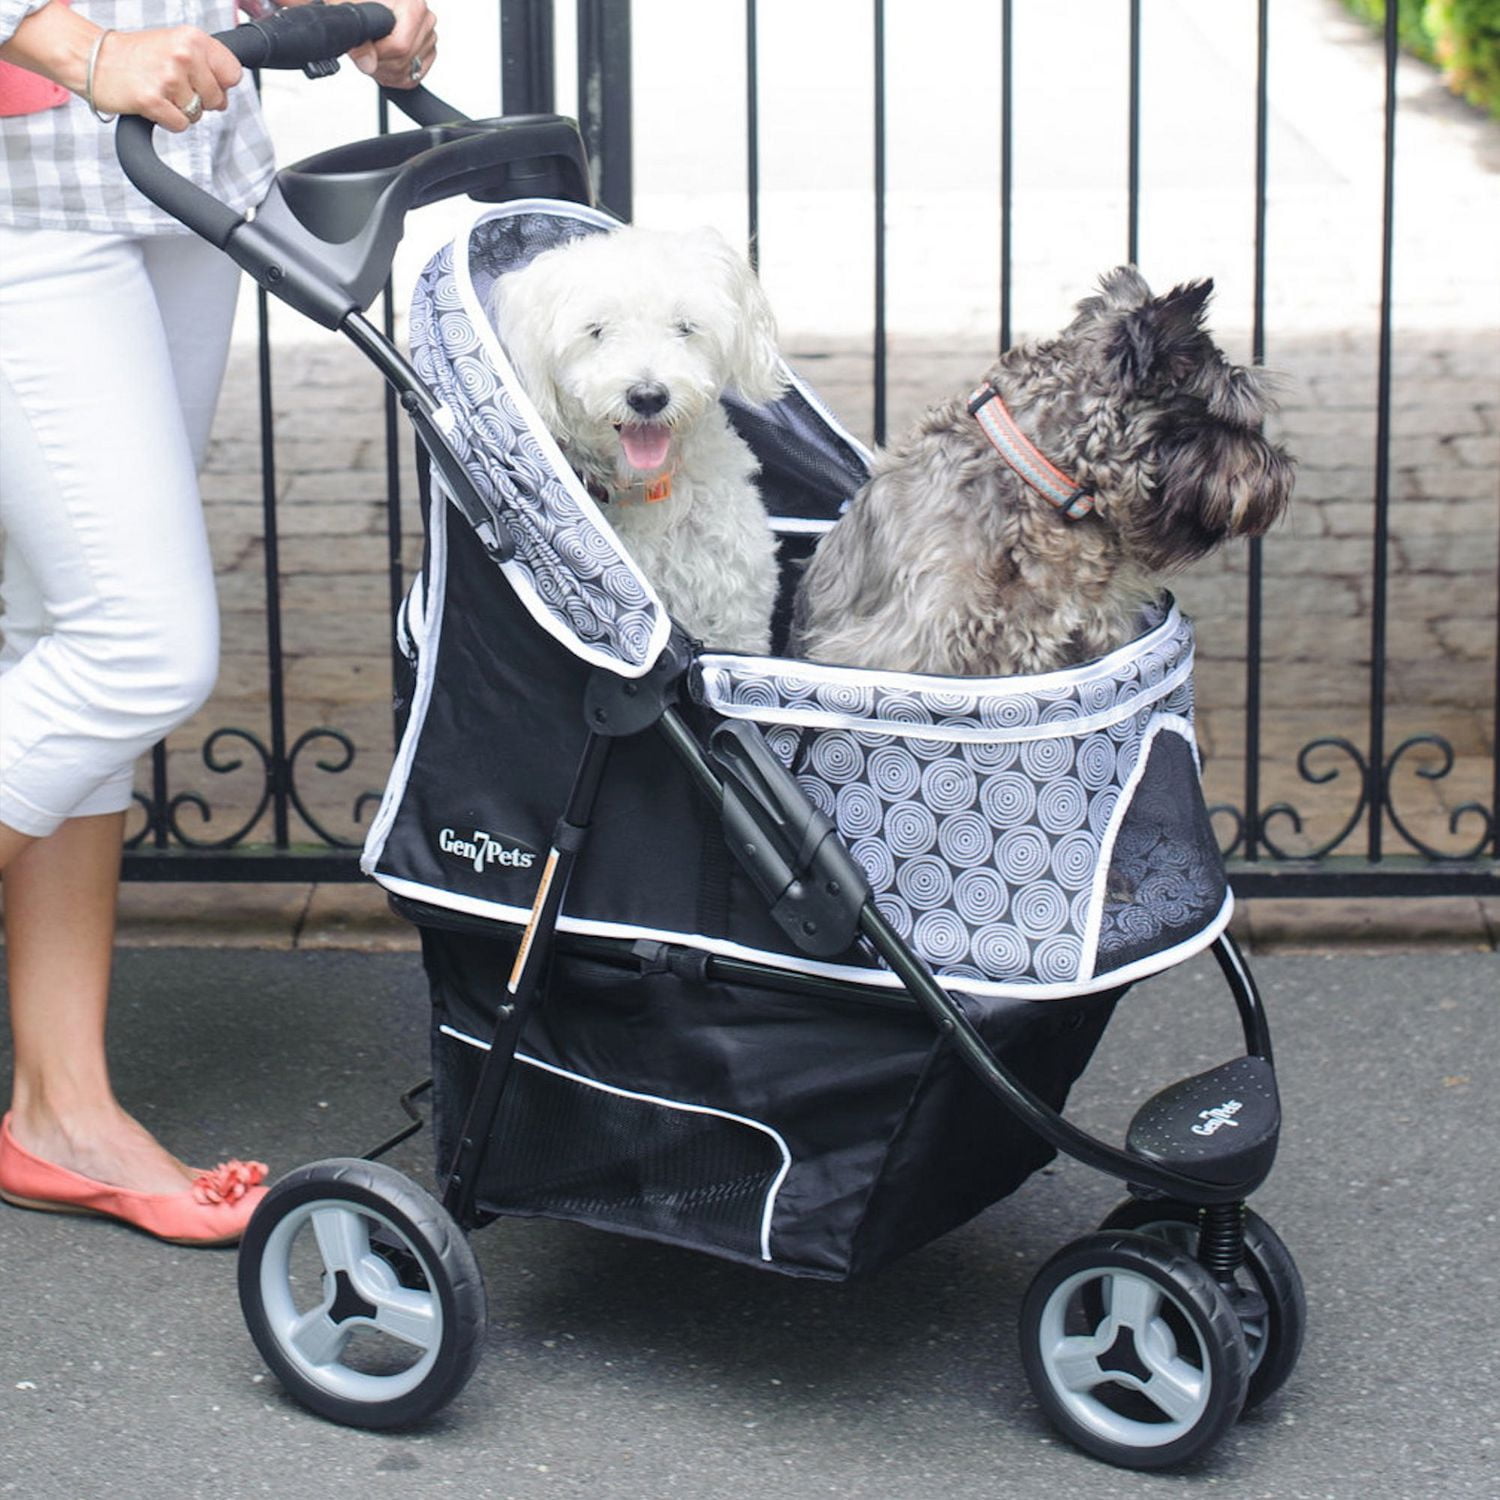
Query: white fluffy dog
point(624, 341)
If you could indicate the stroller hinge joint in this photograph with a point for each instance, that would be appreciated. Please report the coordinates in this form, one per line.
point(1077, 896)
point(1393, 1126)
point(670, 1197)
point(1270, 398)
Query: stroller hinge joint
point(616, 706)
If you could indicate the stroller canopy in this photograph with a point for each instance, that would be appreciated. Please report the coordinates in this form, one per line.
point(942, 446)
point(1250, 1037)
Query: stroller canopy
point(570, 569)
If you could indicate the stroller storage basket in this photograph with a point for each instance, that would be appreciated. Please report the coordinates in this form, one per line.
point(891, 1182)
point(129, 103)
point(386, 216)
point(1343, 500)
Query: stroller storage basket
point(817, 1130)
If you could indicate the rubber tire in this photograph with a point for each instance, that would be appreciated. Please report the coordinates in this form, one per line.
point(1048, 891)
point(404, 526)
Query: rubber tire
point(423, 1229)
point(1270, 1265)
point(1196, 1297)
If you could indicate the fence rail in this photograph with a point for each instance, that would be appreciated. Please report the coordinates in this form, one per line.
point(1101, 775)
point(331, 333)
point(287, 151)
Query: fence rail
point(1357, 836)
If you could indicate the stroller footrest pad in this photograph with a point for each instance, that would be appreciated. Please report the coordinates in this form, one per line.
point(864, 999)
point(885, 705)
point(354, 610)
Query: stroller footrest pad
point(1220, 1126)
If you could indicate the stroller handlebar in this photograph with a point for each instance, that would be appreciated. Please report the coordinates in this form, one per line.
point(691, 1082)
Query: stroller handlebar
point(307, 34)
point(324, 238)
point(303, 36)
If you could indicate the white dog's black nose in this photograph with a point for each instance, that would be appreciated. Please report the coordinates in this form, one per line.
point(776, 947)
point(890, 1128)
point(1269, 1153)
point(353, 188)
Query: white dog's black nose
point(647, 398)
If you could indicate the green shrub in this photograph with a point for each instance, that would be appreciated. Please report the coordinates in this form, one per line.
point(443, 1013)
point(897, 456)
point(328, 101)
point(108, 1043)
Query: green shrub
point(1410, 26)
point(1466, 41)
point(1462, 37)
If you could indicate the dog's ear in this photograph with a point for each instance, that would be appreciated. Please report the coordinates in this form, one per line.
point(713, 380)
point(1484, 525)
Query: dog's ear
point(752, 358)
point(1242, 394)
point(1122, 288)
point(1215, 479)
point(1155, 344)
point(517, 305)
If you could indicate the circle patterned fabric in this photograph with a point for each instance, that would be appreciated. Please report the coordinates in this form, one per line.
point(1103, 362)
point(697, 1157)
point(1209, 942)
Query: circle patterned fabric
point(984, 813)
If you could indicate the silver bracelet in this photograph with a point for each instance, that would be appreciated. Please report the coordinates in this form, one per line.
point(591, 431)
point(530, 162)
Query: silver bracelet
point(88, 82)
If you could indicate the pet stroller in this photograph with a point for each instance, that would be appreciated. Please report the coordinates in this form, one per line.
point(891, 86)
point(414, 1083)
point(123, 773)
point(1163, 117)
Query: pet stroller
point(788, 963)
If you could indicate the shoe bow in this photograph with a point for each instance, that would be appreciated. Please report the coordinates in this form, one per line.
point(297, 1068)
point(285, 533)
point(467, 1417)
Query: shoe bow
point(228, 1182)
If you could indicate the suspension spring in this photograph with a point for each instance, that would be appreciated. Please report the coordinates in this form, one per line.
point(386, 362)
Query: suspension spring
point(1221, 1240)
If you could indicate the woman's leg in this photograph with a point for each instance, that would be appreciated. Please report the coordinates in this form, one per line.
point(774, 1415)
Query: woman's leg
point(60, 923)
point(111, 639)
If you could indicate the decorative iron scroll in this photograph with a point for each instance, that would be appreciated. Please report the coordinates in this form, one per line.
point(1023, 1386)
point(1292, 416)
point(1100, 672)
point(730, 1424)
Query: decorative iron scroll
point(346, 745)
point(1375, 793)
point(163, 814)
point(1486, 816)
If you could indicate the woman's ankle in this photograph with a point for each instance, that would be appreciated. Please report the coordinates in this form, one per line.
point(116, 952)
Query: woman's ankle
point(98, 1140)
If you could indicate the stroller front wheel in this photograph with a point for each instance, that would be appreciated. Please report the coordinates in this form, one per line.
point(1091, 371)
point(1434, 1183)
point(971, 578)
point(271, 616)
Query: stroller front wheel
point(1274, 1339)
point(361, 1294)
point(1133, 1350)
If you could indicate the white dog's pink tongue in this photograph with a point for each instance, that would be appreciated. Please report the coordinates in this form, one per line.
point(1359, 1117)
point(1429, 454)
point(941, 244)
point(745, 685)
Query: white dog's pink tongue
point(646, 445)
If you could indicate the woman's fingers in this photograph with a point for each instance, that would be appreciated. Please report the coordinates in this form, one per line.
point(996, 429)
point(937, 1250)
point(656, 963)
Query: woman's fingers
point(403, 58)
point(204, 91)
point(161, 72)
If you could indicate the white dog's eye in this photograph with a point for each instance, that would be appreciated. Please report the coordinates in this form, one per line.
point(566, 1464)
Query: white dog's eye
point(684, 328)
point(595, 331)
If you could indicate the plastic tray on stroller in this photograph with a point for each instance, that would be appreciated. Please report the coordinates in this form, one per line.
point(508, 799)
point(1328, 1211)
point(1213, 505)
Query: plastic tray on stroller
point(791, 964)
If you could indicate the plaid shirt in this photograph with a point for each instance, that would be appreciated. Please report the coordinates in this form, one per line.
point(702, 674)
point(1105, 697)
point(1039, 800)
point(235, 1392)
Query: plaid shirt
point(58, 168)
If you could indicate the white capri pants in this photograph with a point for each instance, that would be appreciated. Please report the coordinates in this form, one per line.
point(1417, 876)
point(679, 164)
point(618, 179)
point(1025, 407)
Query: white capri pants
point(112, 350)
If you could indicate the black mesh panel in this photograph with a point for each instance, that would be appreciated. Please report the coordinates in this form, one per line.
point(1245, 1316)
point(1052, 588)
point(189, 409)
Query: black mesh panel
point(1166, 877)
point(576, 1151)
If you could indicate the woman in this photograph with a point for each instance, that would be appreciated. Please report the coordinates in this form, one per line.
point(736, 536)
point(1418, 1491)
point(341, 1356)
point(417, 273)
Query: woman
point(114, 331)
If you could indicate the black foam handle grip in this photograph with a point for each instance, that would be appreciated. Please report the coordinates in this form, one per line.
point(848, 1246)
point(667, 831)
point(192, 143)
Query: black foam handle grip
point(304, 34)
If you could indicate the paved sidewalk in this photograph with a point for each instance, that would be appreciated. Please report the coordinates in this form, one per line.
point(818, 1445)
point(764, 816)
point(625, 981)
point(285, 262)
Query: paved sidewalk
point(616, 1370)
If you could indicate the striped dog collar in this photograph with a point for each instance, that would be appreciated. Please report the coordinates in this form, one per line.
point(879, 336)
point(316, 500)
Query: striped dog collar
point(992, 414)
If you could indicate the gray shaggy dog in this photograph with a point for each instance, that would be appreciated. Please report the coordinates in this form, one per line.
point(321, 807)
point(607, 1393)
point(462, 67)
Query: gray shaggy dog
point(1023, 528)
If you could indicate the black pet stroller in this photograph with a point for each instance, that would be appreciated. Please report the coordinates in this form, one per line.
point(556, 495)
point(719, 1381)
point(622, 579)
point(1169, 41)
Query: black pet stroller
point(788, 963)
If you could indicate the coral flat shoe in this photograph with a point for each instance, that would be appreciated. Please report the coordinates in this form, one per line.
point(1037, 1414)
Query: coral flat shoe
point(212, 1209)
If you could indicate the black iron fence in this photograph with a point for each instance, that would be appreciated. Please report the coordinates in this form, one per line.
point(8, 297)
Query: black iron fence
point(1305, 807)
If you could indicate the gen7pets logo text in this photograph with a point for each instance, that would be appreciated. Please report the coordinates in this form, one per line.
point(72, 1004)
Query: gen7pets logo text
point(482, 849)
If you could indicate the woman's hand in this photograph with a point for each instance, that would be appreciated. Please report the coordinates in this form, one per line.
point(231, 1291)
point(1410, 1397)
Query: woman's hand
point(170, 74)
point(404, 58)
point(160, 72)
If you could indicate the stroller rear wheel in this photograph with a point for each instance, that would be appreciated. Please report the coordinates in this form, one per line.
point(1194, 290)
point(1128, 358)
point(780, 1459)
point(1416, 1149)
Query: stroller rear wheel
point(1133, 1350)
point(361, 1294)
point(1274, 1339)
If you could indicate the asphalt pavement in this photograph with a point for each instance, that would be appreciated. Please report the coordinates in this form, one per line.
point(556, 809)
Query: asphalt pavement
point(617, 1369)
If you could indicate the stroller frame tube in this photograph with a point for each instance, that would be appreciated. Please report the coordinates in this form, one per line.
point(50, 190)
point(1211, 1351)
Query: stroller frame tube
point(524, 988)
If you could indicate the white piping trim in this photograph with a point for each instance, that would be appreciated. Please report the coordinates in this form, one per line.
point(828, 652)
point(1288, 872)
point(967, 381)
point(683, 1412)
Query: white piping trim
point(562, 470)
point(930, 682)
point(689, 1109)
point(880, 979)
point(411, 619)
point(982, 734)
point(1173, 724)
point(434, 581)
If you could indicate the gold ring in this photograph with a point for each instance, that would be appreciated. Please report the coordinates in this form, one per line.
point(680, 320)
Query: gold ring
point(193, 109)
